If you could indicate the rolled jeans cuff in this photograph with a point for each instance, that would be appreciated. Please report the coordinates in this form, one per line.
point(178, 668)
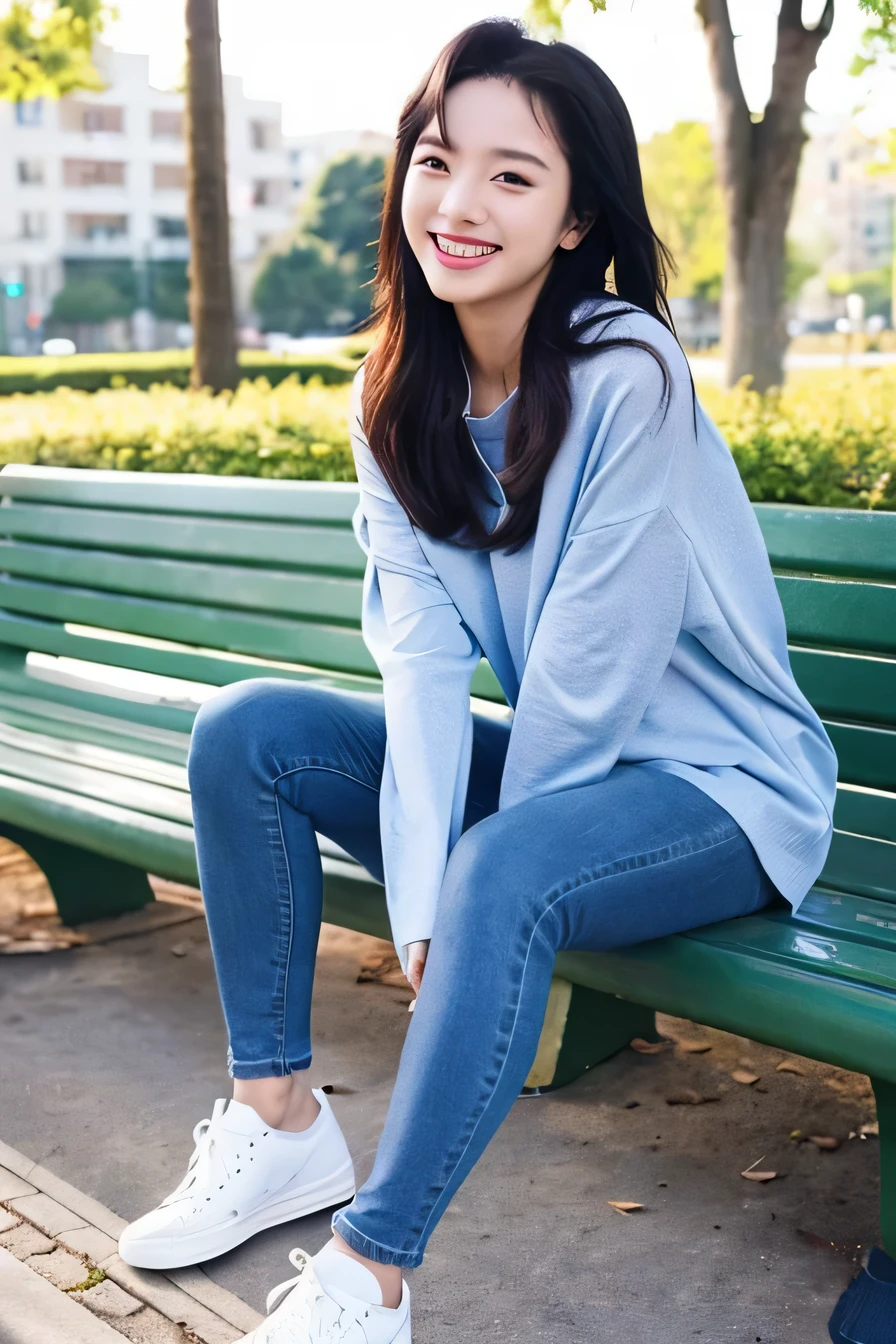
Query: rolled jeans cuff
point(382, 1255)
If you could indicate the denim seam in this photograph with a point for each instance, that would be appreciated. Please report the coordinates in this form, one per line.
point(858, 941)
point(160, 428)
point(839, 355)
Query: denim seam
point(286, 962)
point(292, 920)
point(548, 910)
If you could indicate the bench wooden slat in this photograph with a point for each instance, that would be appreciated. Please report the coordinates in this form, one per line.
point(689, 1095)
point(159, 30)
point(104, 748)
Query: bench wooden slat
point(859, 864)
point(330, 647)
point(171, 492)
point(839, 614)
point(139, 796)
point(865, 754)
point(865, 812)
point(856, 542)
point(280, 545)
point(847, 685)
point(76, 752)
point(791, 1004)
point(314, 597)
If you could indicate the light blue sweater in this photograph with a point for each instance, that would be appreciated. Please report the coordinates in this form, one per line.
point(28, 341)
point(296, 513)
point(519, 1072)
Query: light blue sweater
point(642, 623)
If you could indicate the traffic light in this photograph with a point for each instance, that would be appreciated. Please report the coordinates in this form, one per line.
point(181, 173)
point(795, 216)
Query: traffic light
point(14, 289)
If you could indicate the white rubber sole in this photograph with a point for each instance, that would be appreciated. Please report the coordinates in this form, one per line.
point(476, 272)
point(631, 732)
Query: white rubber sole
point(196, 1247)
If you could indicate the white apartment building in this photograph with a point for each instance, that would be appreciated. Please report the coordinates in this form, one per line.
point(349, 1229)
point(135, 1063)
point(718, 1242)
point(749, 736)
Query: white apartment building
point(99, 176)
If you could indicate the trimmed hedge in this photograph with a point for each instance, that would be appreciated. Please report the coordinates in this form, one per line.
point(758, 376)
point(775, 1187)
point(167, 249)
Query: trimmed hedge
point(829, 438)
point(91, 373)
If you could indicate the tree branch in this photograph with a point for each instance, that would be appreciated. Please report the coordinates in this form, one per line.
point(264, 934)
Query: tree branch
point(734, 122)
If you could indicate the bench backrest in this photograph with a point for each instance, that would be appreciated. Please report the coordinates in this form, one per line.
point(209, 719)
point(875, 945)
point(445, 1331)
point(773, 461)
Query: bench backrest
point(213, 579)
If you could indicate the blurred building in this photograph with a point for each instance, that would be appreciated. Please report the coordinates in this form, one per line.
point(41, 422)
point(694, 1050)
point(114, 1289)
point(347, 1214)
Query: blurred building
point(309, 154)
point(94, 184)
point(843, 214)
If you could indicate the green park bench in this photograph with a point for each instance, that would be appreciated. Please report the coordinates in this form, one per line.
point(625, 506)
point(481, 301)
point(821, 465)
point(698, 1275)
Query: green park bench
point(201, 581)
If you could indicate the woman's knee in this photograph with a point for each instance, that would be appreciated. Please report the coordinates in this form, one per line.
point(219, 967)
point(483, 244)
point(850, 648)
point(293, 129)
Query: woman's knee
point(482, 895)
point(237, 725)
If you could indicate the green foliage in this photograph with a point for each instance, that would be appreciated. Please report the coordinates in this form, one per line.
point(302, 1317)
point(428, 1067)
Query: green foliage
point(169, 288)
point(92, 373)
point(685, 206)
point(292, 432)
point(879, 39)
point(89, 300)
point(801, 264)
point(300, 290)
point(47, 53)
point(874, 286)
point(827, 438)
point(345, 203)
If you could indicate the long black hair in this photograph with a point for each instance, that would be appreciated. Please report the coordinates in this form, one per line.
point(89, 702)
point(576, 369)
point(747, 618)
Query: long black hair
point(415, 387)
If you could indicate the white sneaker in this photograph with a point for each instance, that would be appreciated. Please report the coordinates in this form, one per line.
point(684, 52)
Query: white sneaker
point(302, 1312)
point(243, 1176)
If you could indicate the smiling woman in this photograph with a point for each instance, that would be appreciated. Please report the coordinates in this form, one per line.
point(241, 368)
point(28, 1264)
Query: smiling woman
point(538, 485)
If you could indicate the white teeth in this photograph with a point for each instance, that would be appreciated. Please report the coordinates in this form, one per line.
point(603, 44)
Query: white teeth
point(462, 249)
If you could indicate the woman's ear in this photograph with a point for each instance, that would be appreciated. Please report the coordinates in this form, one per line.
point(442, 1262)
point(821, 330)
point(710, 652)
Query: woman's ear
point(577, 233)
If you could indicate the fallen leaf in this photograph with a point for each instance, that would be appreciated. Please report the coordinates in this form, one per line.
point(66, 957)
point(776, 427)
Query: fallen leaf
point(647, 1047)
point(686, 1096)
point(871, 1127)
point(825, 1141)
point(180, 949)
point(788, 1066)
point(694, 1047)
point(797, 1135)
point(759, 1175)
point(622, 1206)
point(741, 1076)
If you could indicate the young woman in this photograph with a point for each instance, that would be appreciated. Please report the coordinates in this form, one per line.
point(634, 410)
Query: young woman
point(538, 484)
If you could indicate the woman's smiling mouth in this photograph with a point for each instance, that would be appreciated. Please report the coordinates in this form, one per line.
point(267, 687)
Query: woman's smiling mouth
point(462, 255)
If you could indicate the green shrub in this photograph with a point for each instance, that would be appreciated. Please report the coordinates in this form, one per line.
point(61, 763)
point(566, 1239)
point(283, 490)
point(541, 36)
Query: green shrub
point(829, 438)
point(90, 373)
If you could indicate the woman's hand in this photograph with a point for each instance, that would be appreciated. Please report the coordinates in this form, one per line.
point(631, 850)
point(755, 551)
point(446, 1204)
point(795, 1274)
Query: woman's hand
point(416, 962)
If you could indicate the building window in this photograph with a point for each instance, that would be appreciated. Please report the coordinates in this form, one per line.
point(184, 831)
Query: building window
point(32, 224)
point(268, 191)
point(264, 135)
point(89, 228)
point(166, 125)
point(30, 112)
point(170, 226)
point(108, 119)
point(92, 173)
point(30, 172)
point(169, 177)
point(833, 170)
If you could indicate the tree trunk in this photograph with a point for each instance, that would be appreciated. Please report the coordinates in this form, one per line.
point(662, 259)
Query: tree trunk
point(211, 290)
point(758, 162)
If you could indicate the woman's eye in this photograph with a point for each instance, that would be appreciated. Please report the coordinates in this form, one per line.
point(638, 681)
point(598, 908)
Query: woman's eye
point(432, 159)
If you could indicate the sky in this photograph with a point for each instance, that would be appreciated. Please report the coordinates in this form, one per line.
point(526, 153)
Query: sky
point(350, 64)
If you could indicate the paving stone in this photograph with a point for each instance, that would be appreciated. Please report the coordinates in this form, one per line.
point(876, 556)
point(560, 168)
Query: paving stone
point(11, 1185)
point(39, 1314)
point(26, 1240)
point(47, 1213)
point(8, 1220)
point(106, 1299)
point(60, 1267)
point(151, 1327)
point(90, 1241)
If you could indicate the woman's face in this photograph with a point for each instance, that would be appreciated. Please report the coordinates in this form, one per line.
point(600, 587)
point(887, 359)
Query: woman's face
point(506, 183)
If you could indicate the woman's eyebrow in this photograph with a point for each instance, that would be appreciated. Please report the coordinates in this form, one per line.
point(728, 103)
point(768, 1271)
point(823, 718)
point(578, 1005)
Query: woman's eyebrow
point(519, 154)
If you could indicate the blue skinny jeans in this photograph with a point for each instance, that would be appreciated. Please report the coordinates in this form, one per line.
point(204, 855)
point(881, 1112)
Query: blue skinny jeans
point(640, 855)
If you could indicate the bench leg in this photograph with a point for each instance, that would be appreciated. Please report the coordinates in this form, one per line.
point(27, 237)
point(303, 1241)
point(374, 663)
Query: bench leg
point(85, 885)
point(581, 1028)
point(885, 1096)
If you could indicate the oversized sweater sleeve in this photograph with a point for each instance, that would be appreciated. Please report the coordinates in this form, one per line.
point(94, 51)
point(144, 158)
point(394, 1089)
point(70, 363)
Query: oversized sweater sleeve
point(611, 618)
point(426, 656)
